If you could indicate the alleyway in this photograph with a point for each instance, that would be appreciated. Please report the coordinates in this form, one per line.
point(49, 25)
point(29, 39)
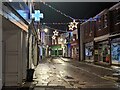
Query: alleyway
point(59, 74)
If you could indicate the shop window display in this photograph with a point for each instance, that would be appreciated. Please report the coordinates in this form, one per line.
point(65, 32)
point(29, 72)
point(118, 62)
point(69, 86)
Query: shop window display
point(104, 52)
point(89, 51)
point(115, 52)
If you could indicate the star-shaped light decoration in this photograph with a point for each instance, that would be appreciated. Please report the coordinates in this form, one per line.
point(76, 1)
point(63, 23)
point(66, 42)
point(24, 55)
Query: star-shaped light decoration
point(55, 33)
point(73, 25)
point(70, 27)
point(53, 37)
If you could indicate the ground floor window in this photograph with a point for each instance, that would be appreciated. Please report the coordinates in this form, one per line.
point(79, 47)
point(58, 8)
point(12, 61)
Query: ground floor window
point(104, 51)
point(89, 51)
point(115, 51)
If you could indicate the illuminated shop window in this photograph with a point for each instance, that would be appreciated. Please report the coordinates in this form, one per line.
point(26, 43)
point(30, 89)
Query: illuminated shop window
point(115, 51)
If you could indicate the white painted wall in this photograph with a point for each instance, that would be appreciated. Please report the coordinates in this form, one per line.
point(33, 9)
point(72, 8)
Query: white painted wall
point(15, 57)
point(24, 54)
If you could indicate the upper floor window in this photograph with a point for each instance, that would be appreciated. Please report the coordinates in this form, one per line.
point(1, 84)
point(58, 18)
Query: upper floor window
point(105, 20)
point(85, 28)
point(117, 16)
point(99, 23)
point(91, 25)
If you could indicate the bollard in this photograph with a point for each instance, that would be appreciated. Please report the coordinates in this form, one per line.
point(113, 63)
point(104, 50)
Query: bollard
point(30, 73)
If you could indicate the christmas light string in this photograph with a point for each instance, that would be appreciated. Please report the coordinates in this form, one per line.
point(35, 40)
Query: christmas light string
point(58, 11)
point(55, 23)
point(71, 25)
point(54, 29)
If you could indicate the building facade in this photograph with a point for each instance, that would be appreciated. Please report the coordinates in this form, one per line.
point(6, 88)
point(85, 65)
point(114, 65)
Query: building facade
point(114, 13)
point(88, 41)
point(74, 45)
point(102, 43)
point(14, 46)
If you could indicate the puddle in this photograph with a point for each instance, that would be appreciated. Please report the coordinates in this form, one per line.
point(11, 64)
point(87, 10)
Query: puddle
point(68, 77)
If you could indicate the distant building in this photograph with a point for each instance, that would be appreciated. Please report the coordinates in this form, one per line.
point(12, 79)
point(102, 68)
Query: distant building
point(114, 28)
point(102, 45)
point(87, 32)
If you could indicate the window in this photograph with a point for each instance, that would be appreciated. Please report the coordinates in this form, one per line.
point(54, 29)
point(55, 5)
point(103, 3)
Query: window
point(117, 15)
point(99, 23)
point(85, 28)
point(91, 25)
point(105, 20)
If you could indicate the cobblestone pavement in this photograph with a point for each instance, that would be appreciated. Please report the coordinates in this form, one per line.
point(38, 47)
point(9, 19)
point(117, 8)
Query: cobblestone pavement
point(57, 74)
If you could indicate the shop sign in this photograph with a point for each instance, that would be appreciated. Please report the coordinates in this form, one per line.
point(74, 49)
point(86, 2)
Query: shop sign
point(89, 44)
point(96, 51)
point(73, 44)
point(116, 40)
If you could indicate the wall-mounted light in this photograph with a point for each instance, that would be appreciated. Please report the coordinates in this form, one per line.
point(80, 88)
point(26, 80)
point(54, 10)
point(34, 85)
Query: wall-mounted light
point(10, 0)
point(61, 39)
point(46, 30)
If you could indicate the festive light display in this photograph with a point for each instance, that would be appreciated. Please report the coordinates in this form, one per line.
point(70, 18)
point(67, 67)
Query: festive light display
point(53, 37)
point(37, 15)
point(55, 23)
point(55, 33)
point(73, 25)
point(58, 11)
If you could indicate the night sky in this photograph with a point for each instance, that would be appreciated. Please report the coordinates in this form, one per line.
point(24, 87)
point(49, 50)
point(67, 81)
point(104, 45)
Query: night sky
point(77, 10)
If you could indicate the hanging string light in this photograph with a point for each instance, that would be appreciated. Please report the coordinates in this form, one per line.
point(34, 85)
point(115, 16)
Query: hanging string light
point(55, 29)
point(58, 11)
point(55, 23)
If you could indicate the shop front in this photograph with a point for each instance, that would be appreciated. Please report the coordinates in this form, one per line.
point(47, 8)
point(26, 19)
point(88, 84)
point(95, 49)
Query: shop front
point(103, 52)
point(75, 50)
point(56, 50)
point(68, 50)
point(115, 51)
point(89, 49)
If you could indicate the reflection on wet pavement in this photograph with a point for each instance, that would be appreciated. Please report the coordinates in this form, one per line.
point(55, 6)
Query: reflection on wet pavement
point(57, 73)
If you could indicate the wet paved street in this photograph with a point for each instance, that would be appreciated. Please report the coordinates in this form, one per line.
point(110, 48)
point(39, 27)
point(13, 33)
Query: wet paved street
point(62, 74)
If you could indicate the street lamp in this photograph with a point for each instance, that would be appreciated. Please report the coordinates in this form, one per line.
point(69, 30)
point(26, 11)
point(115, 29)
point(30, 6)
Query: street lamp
point(45, 30)
point(61, 39)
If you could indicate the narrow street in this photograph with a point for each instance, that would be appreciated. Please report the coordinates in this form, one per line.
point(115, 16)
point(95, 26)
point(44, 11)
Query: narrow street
point(59, 45)
point(60, 73)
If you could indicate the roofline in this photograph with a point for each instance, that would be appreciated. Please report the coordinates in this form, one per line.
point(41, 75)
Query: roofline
point(114, 6)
